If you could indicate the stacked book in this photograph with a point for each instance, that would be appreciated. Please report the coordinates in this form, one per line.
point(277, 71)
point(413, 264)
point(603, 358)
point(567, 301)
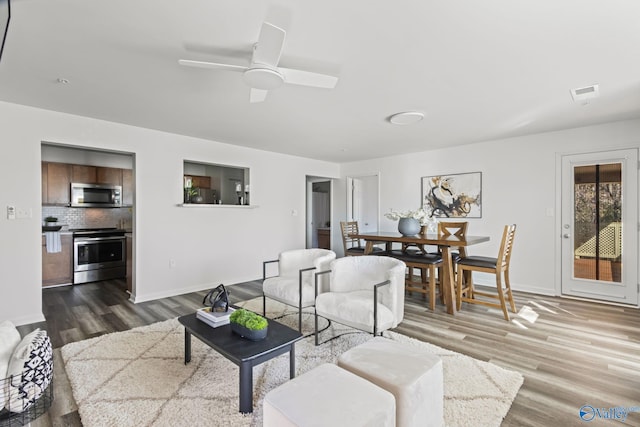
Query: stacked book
point(214, 318)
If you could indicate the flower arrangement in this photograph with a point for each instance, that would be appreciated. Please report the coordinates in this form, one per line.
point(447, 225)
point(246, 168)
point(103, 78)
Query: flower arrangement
point(418, 214)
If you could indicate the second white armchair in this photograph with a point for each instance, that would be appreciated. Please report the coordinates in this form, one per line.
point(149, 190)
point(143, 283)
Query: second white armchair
point(364, 292)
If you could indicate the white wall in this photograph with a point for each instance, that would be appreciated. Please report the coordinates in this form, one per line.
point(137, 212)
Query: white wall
point(518, 186)
point(209, 245)
point(227, 245)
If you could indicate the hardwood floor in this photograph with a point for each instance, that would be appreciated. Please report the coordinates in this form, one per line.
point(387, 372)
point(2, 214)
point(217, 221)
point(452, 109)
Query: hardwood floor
point(572, 353)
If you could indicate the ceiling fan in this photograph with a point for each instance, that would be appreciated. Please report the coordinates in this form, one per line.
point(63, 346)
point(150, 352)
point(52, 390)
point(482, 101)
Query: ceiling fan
point(263, 73)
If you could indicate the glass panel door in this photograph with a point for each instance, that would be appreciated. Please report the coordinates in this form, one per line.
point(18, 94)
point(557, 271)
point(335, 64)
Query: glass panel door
point(598, 222)
point(600, 226)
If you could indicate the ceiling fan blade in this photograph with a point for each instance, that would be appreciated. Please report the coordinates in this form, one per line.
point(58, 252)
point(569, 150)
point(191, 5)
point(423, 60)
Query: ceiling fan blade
point(269, 46)
point(214, 65)
point(257, 95)
point(307, 78)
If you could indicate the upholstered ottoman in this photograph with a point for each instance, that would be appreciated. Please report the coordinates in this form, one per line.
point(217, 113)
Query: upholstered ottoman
point(413, 376)
point(328, 396)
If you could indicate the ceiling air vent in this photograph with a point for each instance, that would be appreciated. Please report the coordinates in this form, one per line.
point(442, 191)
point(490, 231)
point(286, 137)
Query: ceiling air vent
point(584, 94)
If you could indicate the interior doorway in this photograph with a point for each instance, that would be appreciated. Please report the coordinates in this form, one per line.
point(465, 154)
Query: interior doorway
point(319, 212)
point(363, 202)
point(599, 230)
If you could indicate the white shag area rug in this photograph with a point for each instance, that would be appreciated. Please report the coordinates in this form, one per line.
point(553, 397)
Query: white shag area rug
point(138, 377)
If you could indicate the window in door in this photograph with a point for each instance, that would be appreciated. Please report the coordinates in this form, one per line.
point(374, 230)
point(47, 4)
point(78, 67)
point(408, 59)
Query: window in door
point(598, 222)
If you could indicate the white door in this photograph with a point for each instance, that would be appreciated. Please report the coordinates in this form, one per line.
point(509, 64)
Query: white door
point(600, 226)
point(362, 202)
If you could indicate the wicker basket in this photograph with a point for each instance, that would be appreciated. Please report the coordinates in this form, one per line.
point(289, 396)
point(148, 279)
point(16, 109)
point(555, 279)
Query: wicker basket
point(41, 405)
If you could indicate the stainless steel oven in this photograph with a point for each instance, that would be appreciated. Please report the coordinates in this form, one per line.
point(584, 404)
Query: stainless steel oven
point(99, 255)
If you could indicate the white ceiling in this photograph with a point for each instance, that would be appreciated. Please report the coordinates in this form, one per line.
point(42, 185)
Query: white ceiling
point(478, 70)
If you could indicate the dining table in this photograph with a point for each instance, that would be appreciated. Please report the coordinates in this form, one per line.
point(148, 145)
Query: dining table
point(444, 244)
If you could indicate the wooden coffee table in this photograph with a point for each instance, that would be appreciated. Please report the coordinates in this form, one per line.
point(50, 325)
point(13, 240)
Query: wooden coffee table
point(244, 353)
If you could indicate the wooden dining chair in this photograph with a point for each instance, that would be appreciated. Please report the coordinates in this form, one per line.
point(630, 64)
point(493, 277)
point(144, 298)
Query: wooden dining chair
point(454, 228)
point(427, 264)
point(466, 292)
point(458, 229)
point(352, 245)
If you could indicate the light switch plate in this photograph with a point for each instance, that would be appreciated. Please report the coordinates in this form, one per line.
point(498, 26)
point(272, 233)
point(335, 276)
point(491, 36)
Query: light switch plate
point(11, 212)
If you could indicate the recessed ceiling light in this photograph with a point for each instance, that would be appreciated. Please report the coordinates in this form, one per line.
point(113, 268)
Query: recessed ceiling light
point(406, 118)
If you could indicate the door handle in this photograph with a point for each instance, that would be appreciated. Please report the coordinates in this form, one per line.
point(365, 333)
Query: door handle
point(566, 235)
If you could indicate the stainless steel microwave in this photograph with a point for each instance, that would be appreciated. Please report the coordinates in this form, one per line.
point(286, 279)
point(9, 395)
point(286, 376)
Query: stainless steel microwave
point(96, 195)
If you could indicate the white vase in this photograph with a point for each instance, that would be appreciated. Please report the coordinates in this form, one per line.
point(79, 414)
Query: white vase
point(408, 226)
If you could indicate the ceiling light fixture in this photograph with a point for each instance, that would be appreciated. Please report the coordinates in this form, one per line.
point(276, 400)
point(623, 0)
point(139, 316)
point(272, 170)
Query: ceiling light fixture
point(62, 81)
point(406, 118)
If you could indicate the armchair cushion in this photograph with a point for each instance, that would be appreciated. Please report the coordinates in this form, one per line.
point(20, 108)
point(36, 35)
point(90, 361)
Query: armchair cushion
point(285, 289)
point(354, 309)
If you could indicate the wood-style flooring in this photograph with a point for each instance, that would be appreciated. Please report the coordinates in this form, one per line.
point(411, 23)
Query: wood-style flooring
point(571, 353)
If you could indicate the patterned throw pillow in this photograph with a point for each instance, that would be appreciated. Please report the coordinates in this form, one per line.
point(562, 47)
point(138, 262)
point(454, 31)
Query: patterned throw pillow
point(32, 368)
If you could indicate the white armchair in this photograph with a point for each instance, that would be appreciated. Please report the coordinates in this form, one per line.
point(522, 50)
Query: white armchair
point(294, 284)
point(365, 292)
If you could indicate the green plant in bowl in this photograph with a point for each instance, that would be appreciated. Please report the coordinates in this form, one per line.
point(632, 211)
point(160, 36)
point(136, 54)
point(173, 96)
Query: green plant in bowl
point(248, 319)
point(248, 324)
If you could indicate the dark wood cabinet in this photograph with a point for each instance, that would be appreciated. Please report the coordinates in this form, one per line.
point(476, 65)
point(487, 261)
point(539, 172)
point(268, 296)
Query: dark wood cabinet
point(324, 238)
point(96, 175)
point(58, 179)
point(127, 187)
point(200, 181)
point(57, 268)
point(129, 249)
point(45, 181)
point(111, 176)
point(84, 174)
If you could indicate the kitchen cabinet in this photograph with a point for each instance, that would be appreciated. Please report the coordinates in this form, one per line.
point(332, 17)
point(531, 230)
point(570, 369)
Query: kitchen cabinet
point(96, 175)
point(127, 187)
point(57, 268)
point(324, 238)
point(200, 181)
point(129, 249)
point(106, 175)
point(57, 177)
point(56, 189)
point(45, 181)
point(84, 174)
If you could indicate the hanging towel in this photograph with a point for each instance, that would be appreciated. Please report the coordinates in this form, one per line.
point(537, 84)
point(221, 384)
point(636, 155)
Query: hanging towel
point(52, 239)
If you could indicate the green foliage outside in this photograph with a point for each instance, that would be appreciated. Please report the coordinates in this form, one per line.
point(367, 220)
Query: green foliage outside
point(248, 319)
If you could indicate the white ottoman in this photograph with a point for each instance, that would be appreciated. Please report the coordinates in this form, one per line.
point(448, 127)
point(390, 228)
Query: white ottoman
point(413, 376)
point(328, 396)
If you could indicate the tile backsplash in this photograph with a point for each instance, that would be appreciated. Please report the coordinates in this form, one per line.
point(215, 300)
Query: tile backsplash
point(89, 217)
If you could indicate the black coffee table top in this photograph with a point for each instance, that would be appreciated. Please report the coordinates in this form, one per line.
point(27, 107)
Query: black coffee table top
point(234, 347)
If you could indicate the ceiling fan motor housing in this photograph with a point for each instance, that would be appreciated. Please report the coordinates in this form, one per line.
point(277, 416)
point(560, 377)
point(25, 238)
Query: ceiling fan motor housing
point(263, 78)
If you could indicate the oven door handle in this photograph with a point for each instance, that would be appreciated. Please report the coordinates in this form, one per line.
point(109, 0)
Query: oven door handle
point(97, 239)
